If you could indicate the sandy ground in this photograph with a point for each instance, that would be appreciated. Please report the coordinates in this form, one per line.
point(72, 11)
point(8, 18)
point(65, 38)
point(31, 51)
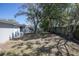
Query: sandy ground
point(30, 46)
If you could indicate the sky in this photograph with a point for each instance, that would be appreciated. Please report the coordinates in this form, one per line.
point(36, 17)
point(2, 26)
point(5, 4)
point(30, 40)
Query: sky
point(8, 10)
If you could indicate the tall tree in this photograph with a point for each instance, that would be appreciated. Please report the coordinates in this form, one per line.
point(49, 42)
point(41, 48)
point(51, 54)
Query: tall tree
point(53, 13)
point(73, 22)
point(32, 12)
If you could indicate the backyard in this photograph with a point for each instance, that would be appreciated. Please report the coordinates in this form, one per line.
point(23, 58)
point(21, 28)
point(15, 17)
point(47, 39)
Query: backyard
point(53, 30)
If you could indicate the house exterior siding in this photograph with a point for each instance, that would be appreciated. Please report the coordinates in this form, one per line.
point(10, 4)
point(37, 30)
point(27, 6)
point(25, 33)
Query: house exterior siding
point(6, 31)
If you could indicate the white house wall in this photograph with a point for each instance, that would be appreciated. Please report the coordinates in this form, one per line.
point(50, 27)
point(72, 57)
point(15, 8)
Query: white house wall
point(6, 31)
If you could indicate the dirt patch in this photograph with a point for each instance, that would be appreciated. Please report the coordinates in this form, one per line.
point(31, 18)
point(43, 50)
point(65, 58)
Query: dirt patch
point(48, 46)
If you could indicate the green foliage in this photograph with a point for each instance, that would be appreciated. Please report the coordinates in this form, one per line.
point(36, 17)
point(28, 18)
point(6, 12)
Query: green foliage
point(44, 24)
point(51, 15)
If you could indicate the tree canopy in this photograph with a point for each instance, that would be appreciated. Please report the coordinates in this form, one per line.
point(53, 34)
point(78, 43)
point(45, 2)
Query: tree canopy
point(48, 16)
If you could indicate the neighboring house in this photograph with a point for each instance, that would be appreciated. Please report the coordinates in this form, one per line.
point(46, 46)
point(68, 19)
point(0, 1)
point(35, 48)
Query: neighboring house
point(9, 30)
point(26, 28)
